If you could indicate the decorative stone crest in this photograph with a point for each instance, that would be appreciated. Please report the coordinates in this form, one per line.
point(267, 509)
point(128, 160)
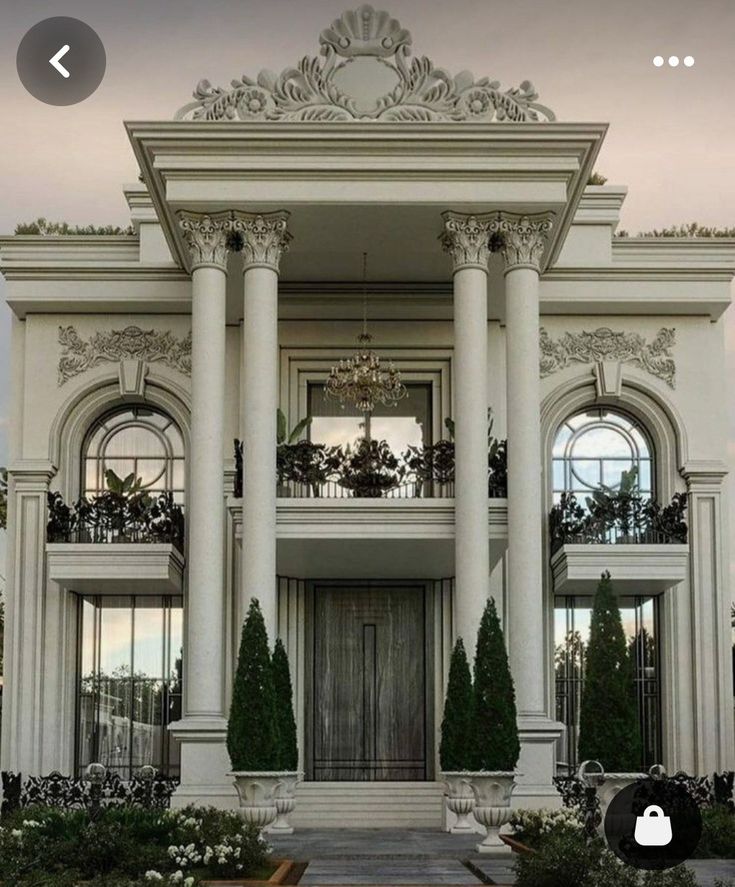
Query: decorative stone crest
point(131, 343)
point(206, 236)
point(467, 239)
point(522, 239)
point(606, 345)
point(264, 237)
point(308, 92)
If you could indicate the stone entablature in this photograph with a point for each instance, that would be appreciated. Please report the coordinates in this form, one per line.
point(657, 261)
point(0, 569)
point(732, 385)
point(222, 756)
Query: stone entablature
point(311, 90)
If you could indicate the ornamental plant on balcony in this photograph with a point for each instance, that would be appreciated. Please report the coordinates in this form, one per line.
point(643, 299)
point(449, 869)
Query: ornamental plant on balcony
point(608, 724)
point(496, 746)
point(455, 749)
point(370, 469)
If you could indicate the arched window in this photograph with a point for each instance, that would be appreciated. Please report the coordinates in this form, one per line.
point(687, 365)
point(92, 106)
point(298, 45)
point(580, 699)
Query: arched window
point(139, 441)
point(594, 447)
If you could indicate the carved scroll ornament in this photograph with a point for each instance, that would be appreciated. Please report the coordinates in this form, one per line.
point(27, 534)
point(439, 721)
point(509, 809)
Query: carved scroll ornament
point(605, 344)
point(308, 91)
point(153, 346)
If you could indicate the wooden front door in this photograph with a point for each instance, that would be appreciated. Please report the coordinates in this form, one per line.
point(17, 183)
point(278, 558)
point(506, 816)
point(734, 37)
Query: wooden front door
point(368, 693)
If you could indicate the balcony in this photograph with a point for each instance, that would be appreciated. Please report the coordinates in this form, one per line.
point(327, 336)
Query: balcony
point(370, 470)
point(118, 542)
point(642, 544)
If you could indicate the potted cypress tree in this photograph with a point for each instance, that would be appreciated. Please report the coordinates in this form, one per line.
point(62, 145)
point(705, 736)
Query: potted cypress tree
point(455, 749)
point(288, 751)
point(609, 733)
point(252, 730)
point(496, 746)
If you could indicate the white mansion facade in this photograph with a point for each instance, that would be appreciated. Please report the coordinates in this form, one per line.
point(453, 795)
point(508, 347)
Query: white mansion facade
point(494, 281)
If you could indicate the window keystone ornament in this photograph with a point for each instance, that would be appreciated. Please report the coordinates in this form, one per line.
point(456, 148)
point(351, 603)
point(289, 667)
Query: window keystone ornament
point(467, 239)
point(422, 93)
point(522, 239)
point(263, 237)
point(207, 237)
point(604, 344)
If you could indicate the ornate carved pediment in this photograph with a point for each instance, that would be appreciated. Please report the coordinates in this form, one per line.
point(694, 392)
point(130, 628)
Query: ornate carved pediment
point(314, 89)
point(604, 345)
point(131, 343)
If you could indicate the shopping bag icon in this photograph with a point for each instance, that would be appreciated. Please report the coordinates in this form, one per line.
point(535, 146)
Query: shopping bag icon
point(653, 829)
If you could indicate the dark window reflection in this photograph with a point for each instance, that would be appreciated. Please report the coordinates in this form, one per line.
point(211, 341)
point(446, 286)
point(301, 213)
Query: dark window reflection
point(571, 636)
point(130, 682)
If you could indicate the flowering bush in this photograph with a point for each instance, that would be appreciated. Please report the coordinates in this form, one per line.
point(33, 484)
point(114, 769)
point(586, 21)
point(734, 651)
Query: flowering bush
point(530, 827)
point(124, 847)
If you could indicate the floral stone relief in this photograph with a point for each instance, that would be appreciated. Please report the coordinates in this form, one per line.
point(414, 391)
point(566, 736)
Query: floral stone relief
point(605, 344)
point(311, 90)
point(153, 346)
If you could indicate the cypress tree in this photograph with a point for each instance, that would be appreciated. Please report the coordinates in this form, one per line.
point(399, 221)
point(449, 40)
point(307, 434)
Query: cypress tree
point(495, 729)
point(287, 744)
point(608, 723)
point(252, 730)
point(455, 750)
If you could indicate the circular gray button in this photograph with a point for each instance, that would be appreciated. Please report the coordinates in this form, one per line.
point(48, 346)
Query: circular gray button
point(61, 61)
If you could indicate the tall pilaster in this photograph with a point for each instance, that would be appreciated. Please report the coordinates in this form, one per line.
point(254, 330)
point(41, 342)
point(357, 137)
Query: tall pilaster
point(264, 239)
point(466, 239)
point(711, 644)
point(523, 241)
point(203, 726)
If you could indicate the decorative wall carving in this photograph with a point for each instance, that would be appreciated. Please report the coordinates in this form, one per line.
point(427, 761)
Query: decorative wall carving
point(604, 344)
point(308, 92)
point(153, 346)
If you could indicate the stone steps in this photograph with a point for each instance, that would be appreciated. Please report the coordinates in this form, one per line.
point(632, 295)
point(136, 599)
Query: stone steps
point(368, 805)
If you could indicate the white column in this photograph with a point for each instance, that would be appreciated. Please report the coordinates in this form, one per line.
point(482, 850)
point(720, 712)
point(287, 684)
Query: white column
point(202, 729)
point(264, 239)
point(523, 241)
point(466, 238)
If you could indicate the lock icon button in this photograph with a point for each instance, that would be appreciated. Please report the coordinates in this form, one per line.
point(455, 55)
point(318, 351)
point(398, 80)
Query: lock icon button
point(653, 829)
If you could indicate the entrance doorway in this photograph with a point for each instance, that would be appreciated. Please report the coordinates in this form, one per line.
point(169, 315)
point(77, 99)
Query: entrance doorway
point(367, 683)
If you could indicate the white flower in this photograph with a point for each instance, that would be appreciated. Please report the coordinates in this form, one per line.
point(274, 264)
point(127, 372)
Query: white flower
point(189, 882)
point(16, 833)
point(176, 878)
point(153, 876)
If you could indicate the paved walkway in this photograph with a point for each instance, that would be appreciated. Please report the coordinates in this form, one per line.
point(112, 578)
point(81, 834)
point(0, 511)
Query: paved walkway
point(416, 857)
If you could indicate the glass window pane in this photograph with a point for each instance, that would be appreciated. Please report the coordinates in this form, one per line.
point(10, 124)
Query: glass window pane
point(148, 639)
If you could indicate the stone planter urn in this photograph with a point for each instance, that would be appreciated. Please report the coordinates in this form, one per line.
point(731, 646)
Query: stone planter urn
point(460, 800)
point(492, 790)
point(606, 785)
point(257, 793)
point(285, 798)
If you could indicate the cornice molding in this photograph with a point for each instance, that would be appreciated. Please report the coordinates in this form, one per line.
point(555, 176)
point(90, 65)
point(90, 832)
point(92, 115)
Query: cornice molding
point(311, 91)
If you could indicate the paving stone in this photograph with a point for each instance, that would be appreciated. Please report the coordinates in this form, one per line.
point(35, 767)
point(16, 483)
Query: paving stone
point(386, 870)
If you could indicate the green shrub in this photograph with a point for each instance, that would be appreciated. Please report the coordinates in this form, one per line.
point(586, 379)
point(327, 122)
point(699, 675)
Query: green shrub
point(494, 727)
point(608, 723)
point(533, 827)
point(680, 876)
point(718, 833)
point(288, 752)
point(455, 749)
point(252, 730)
point(47, 847)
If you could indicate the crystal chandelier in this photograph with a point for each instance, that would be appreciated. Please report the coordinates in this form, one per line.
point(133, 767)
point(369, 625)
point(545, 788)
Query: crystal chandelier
point(360, 380)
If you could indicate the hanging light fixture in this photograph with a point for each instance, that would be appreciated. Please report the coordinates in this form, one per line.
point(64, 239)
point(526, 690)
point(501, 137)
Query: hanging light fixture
point(360, 380)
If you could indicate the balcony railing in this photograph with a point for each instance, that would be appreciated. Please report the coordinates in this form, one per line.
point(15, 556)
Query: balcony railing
point(371, 470)
point(111, 517)
point(617, 519)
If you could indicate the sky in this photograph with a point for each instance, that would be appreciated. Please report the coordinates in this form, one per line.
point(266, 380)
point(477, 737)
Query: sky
point(671, 129)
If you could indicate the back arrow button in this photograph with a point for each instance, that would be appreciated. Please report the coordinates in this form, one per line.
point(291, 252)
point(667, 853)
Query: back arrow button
point(55, 61)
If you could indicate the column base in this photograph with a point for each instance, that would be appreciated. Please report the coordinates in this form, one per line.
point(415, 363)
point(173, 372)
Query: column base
point(537, 763)
point(204, 764)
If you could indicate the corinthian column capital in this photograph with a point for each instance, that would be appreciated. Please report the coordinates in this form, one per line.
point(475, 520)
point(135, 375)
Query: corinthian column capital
point(523, 239)
point(467, 239)
point(206, 235)
point(264, 238)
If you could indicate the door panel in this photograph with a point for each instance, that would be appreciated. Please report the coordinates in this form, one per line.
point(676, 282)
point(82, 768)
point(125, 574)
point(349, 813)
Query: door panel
point(369, 684)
